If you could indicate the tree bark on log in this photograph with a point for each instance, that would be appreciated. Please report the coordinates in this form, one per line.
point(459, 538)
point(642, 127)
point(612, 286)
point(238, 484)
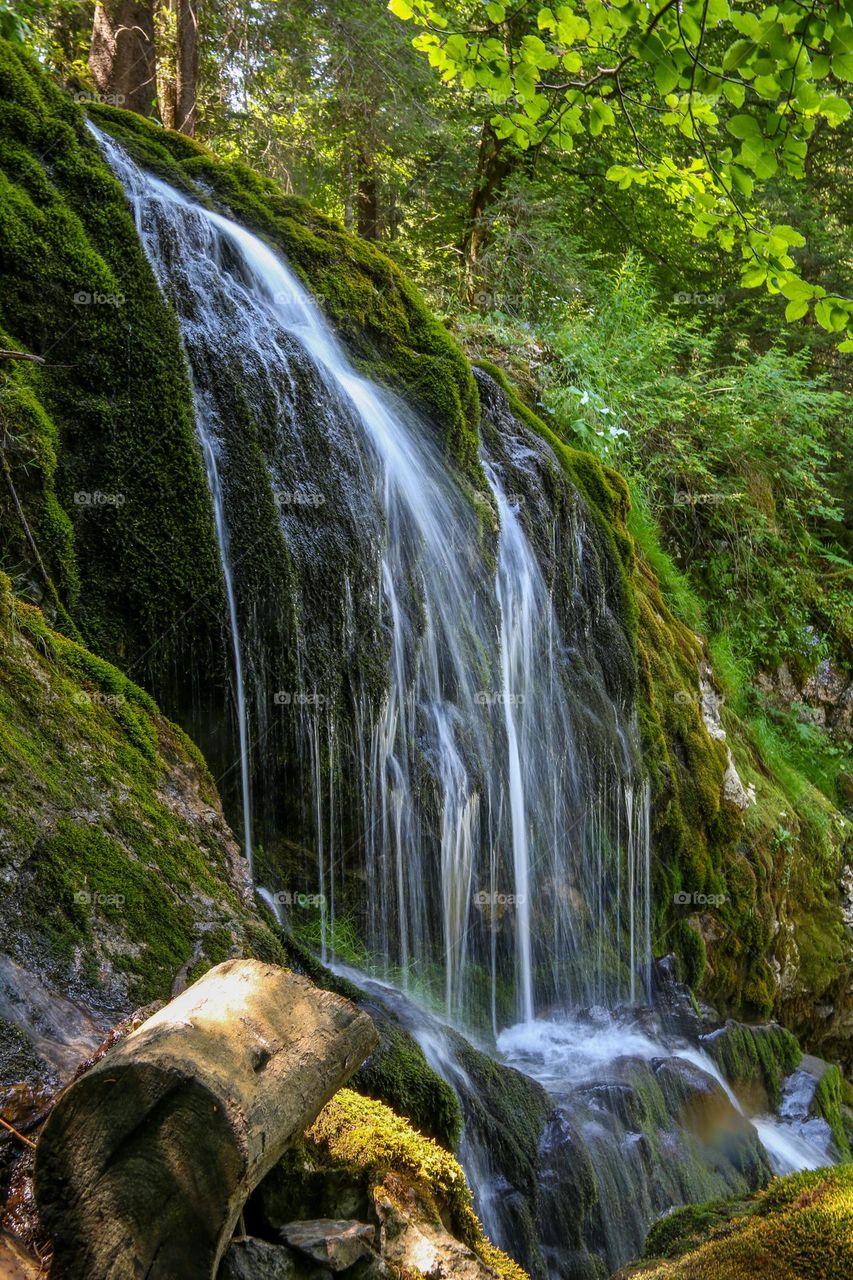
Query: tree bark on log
point(147, 1160)
point(121, 57)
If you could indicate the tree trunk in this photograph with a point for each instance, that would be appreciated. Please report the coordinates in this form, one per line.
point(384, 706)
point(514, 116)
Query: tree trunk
point(186, 67)
point(367, 199)
point(121, 58)
point(494, 163)
point(147, 1160)
point(348, 220)
point(165, 40)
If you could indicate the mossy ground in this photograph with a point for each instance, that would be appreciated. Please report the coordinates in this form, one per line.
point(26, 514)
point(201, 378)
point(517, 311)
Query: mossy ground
point(800, 1228)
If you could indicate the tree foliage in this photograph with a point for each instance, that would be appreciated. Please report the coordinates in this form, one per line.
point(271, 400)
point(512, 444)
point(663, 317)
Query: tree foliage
point(716, 99)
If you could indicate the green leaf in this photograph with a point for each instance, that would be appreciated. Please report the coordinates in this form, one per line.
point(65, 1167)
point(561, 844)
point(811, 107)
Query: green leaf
point(842, 66)
point(846, 345)
point(796, 310)
point(823, 314)
point(743, 126)
point(767, 87)
point(401, 9)
point(667, 76)
point(734, 92)
point(737, 54)
point(497, 12)
point(753, 277)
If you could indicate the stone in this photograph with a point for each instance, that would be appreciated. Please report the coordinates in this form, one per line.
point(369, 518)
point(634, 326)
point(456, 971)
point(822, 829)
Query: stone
point(250, 1259)
point(337, 1243)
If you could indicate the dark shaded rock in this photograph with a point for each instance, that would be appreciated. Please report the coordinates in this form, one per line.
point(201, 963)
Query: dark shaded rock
point(251, 1259)
point(293, 1192)
point(336, 1243)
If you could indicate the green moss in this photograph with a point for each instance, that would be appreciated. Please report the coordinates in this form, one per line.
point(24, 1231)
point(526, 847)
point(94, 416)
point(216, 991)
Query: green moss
point(827, 1103)
point(111, 881)
point(689, 945)
point(800, 1228)
point(366, 1136)
point(508, 1111)
point(103, 446)
point(398, 1074)
point(751, 1055)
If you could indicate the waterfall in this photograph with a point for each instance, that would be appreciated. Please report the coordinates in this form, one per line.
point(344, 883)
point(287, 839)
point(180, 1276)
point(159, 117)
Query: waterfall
point(463, 786)
point(476, 804)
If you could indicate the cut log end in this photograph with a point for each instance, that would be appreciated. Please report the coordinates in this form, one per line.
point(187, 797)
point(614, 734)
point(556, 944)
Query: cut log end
point(146, 1162)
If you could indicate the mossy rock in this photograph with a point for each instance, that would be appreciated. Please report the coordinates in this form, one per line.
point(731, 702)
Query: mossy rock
point(799, 1228)
point(367, 1137)
point(755, 1059)
point(99, 442)
point(121, 869)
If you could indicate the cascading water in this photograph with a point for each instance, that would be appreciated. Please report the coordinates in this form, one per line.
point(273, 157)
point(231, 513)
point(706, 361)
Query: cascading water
point(473, 800)
point(485, 791)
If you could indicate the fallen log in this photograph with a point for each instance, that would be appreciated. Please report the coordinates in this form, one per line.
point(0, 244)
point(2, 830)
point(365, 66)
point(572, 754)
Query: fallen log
point(146, 1161)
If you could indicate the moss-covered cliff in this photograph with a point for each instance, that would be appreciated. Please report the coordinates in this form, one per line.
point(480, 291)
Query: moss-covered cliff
point(106, 522)
point(120, 874)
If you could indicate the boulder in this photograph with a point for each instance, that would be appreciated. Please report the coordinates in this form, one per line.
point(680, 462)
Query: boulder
point(336, 1243)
